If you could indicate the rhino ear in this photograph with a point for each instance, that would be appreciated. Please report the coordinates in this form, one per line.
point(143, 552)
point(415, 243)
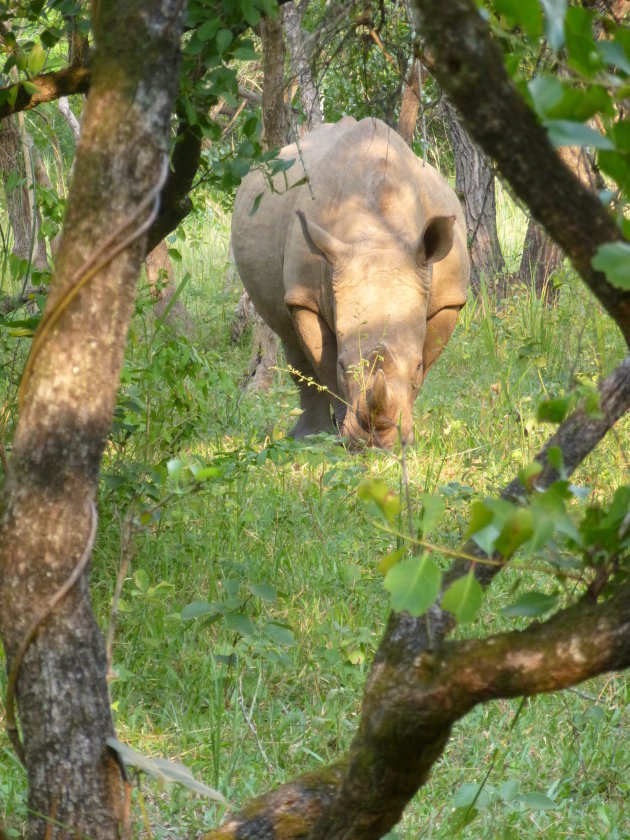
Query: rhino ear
point(320, 242)
point(436, 240)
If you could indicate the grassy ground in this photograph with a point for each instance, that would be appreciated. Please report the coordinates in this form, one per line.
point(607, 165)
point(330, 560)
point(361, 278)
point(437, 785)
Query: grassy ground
point(253, 604)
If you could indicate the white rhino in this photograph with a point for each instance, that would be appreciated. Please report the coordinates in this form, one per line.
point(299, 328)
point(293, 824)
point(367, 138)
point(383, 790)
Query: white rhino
point(361, 272)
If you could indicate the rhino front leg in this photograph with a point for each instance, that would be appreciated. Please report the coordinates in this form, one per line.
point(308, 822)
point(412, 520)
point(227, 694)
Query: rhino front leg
point(439, 329)
point(315, 357)
point(314, 401)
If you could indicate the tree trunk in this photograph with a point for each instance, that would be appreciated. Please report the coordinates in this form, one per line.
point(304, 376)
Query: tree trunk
point(161, 278)
point(410, 105)
point(542, 257)
point(38, 177)
point(14, 182)
point(54, 649)
point(264, 357)
point(300, 65)
point(474, 183)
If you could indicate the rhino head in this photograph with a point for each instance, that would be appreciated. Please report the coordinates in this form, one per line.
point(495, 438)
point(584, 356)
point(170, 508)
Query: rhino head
point(377, 306)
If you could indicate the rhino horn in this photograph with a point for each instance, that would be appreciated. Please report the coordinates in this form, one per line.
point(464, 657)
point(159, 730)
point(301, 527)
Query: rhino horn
point(377, 395)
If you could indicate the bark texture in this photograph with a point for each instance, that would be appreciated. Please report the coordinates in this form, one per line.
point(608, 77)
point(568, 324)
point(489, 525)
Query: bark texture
point(542, 257)
point(50, 86)
point(410, 104)
point(264, 356)
point(474, 182)
point(300, 65)
point(470, 69)
point(18, 203)
point(47, 515)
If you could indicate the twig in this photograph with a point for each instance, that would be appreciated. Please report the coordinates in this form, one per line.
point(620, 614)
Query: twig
point(126, 534)
point(250, 723)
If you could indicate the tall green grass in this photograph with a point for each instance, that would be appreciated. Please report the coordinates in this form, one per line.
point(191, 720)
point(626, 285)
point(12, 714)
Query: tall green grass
point(261, 678)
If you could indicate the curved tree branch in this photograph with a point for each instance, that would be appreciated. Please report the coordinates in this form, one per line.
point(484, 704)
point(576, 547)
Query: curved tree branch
point(469, 66)
point(412, 679)
point(409, 711)
point(175, 201)
point(50, 86)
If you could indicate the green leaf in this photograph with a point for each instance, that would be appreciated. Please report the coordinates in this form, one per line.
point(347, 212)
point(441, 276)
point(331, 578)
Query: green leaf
point(209, 28)
point(264, 591)
point(468, 793)
point(528, 474)
point(196, 609)
point(174, 468)
point(250, 12)
point(278, 634)
point(556, 459)
point(223, 40)
point(613, 53)
point(204, 473)
point(581, 45)
point(30, 87)
point(537, 801)
point(546, 93)
point(389, 560)
point(413, 584)
point(571, 133)
point(555, 11)
point(256, 203)
point(613, 259)
point(554, 99)
point(479, 518)
point(36, 59)
point(163, 770)
point(378, 493)
point(463, 598)
point(531, 605)
point(142, 580)
point(239, 623)
point(518, 528)
point(525, 13)
point(554, 410)
point(431, 513)
point(509, 789)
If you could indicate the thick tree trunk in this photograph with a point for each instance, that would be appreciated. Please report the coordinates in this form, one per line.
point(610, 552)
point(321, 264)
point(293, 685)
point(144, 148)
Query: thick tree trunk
point(474, 183)
point(540, 260)
point(18, 202)
point(51, 641)
point(542, 257)
point(300, 65)
point(264, 357)
point(410, 105)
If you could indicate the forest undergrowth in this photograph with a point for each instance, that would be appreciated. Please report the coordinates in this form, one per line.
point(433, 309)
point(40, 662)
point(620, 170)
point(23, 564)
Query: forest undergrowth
point(252, 600)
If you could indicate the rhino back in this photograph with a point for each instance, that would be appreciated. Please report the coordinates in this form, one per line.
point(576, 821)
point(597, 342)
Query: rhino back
point(365, 183)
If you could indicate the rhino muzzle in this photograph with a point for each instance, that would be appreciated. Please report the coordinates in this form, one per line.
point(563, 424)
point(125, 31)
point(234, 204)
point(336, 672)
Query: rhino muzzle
point(376, 419)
